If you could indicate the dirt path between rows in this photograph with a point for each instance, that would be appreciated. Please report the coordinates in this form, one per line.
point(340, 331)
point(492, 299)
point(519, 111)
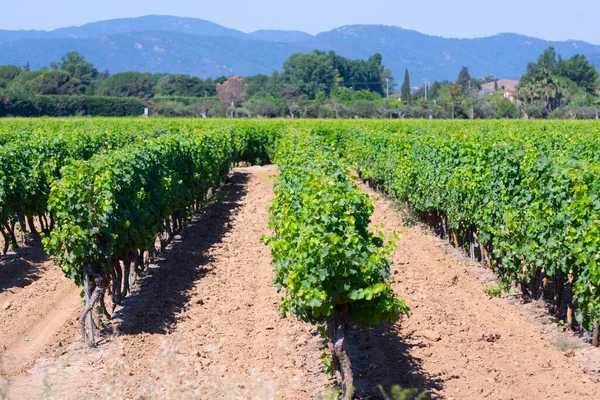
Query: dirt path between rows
point(37, 308)
point(440, 348)
point(204, 323)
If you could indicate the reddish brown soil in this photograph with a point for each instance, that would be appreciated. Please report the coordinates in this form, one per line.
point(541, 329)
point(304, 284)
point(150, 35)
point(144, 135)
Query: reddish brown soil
point(459, 343)
point(37, 308)
point(204, 323)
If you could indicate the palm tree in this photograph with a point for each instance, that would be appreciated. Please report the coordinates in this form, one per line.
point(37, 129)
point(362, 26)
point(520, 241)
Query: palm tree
point(521, 94)
point(548, 91)
point(563, 95)
point(529, 91)
point(547, 86)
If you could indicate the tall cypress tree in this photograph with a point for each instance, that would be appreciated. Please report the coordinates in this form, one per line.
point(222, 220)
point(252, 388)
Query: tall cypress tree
point(464, 78)
point(405, 92)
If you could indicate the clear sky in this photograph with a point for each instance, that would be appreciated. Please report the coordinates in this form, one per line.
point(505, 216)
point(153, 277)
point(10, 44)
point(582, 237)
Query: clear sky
point(545, 19)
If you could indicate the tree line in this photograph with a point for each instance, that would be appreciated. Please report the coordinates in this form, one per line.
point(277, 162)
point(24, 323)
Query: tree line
point(551, 87)
point(312, 85)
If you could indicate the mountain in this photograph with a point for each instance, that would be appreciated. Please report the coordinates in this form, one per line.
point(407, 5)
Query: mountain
point(11, 36)
point(161, 23)
point(504, 55)
point(202, 48)
point(282, 36)
point(156, 51)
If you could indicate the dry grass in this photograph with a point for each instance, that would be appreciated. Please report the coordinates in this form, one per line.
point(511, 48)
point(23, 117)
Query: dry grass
point(566, 342)
point(407, 214)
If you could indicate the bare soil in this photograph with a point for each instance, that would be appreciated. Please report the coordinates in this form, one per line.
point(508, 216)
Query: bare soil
point(204, 323)
point(459, 343)
point(37, 308)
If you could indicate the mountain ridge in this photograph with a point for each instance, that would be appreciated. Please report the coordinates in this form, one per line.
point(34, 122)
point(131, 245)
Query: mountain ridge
point(159, 43)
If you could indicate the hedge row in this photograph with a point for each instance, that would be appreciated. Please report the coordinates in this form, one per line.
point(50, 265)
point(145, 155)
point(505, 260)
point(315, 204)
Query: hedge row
point(64, 106)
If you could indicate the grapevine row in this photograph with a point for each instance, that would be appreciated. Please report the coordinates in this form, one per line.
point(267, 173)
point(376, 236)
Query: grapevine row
point(111, 209)
point(524, 198)
point(30, 162)
point(335, 272)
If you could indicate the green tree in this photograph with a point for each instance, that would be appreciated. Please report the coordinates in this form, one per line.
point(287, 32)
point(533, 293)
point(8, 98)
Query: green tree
point(365, 109)
point(52, 82)
point(528, 91)
point(473, 102)
point(464, 79)
point(7, 74)
point(76, 65)
point(568, 92)
point(336, 107)
point(504, 107)
point(311, 72)
point(19, 84)
point(545, 67)
point(263, 108)
point(454, 94)
point(275, 84)
point(179, 85)
point(450, 96)
point(257, 84)
point(542, 74)
point(579, 70)
point(347, 95)
point(127, 84)
point(293, 92)
point(597, 93)
point(405, 91)
point(548, 90)
point(434, 91)
point(367, 74)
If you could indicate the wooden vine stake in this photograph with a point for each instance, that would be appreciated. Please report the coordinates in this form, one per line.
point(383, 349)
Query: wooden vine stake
point(570, 322)
point(338, 327)
point(595, 335)
point(454, 237)
point(89, 321)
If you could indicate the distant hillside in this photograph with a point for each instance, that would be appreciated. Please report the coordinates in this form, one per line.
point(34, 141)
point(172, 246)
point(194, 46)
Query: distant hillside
point(202, 48)
point(282, 36)
point(157, 52)
point(191, 26)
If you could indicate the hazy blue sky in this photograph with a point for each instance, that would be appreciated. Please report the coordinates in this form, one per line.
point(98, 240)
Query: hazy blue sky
point(546, 19)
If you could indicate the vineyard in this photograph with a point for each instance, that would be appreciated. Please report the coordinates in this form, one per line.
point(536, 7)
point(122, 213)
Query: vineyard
point(110, 197)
